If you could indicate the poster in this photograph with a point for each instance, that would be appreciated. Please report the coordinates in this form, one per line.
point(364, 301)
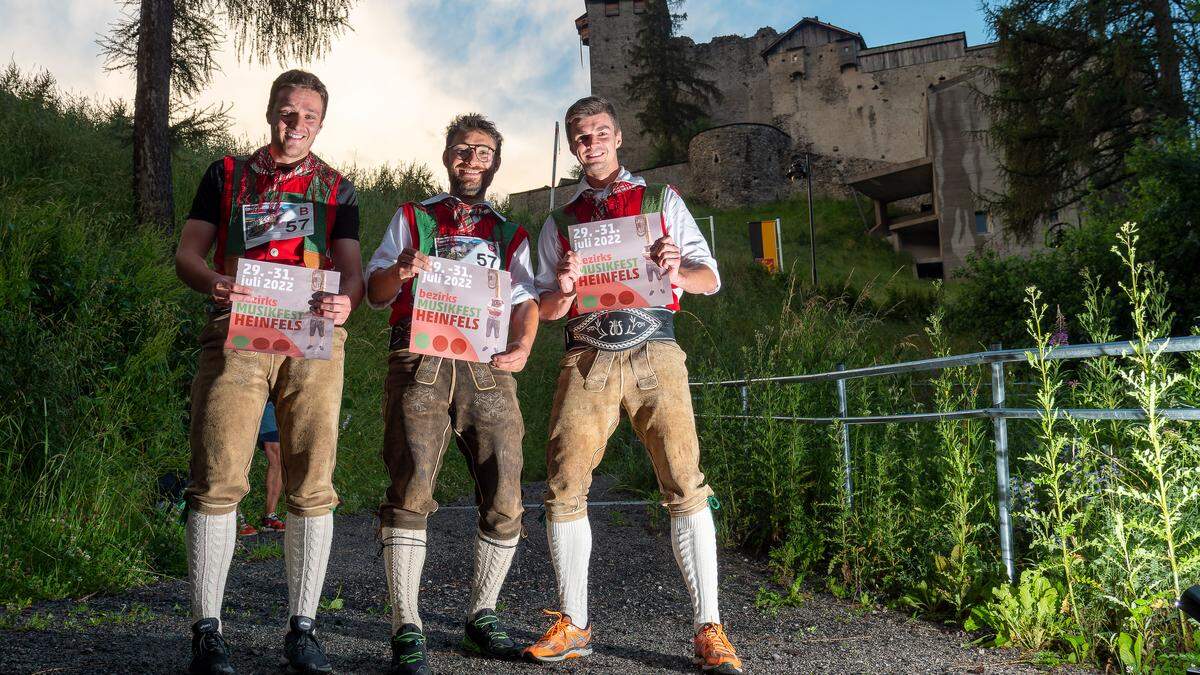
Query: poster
point(277, 318)
point(615, 268)
point(461, 311)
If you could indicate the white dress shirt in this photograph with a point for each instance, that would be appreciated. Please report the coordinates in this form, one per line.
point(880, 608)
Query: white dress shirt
point(681, 227)
point(398, 237)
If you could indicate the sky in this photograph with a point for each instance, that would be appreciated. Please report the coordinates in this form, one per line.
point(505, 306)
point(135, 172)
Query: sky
point(409, 66)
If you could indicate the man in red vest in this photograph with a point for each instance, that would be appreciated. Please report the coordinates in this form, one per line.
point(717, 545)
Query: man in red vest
point(624, 358)
point(428, 399)
point(232, 386)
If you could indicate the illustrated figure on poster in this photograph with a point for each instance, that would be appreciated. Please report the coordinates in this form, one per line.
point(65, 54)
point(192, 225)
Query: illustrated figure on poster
point(426, 395)
point(495, 308)
point(231, 218)
point(653, 271)
point(316, 325)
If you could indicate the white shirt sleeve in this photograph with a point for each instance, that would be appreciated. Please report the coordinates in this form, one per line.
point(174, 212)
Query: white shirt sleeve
point(396, 238)
point(682, 227)
point(520, 268)
point(549, 253)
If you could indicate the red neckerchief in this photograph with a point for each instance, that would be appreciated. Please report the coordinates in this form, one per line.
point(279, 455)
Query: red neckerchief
point(466, 216)
point(601, 203)
point(261, 162)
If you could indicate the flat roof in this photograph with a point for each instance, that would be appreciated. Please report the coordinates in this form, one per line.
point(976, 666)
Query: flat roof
point(892, 183)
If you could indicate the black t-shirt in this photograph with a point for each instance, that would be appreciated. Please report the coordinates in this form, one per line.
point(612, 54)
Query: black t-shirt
point(206, 205)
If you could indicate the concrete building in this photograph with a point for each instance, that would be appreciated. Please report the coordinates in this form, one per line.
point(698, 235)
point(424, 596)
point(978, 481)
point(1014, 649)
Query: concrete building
point(899, 123)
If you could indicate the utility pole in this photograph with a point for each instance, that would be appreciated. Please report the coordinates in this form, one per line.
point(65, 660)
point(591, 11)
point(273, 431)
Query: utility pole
point(554, 167)
point(806, 170)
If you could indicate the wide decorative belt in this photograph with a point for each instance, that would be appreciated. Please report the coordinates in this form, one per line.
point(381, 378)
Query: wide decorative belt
point(618, 329)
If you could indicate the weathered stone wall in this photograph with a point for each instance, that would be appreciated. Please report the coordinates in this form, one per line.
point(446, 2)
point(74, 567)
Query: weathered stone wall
point(611, 40)
point(537, 202)
point(736, 68)
point(739, 164)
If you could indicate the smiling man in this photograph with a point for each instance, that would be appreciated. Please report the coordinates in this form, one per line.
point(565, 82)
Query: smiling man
point(231, 387)
point(635, 364)
point(427, 398)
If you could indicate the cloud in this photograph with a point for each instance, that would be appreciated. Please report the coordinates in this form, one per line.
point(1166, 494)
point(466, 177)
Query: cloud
point(395, 81)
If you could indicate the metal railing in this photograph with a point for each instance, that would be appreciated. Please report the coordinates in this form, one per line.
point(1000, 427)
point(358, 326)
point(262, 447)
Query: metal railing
point(998, 413)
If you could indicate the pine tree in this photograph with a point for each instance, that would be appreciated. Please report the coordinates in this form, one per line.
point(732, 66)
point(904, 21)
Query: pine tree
point(171, 45)
point(667, 76)
point(1077, 84)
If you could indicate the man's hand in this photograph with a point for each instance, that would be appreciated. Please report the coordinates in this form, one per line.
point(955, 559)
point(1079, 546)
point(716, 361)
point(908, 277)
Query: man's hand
point(568, 273)
point(665, 254)
point(224, 291)
point(410, 262)
point(330, 306)
point(512, 359)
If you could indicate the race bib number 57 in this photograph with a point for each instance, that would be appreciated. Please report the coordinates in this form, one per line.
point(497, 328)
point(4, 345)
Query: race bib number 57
point(272, 221)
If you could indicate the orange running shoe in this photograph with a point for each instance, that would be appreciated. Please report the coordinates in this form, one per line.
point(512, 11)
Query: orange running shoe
point(714, 653)
point(563, 641)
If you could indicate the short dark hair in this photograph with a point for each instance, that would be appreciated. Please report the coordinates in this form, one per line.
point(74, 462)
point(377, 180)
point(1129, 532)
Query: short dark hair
point(304, 80)
point(473, 122)
point(591, 105)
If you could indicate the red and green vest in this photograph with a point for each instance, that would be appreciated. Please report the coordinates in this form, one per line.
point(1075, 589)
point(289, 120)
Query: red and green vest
point(632, 200)
point(427, 222)
point(312, 181)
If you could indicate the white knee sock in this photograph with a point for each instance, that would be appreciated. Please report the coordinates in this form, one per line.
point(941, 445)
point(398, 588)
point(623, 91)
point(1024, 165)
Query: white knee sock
point(694, 540)
point(403, 558)
point(492, 560)
point(570, 550)
point(210, 544)
point(306, 543)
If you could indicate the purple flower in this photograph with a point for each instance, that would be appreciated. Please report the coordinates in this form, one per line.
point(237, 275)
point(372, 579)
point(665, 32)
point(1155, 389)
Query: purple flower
point(1060, 337)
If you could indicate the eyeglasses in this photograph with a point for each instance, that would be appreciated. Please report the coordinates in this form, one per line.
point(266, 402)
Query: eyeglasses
point(463, 151)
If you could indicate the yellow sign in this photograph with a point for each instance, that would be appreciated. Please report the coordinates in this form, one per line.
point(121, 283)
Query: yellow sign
point(766, 244)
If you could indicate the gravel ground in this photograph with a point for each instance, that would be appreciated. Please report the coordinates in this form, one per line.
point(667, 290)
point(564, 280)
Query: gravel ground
point(638, 602)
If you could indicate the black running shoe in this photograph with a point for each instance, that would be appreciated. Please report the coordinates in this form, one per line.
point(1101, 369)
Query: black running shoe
point(210, 655)
point(408, 652)
point(485, 637)
point(304, 654)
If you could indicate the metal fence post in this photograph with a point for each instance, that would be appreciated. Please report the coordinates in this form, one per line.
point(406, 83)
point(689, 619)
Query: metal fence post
point(1000, 428)
point(843, 412)
point(745, 400)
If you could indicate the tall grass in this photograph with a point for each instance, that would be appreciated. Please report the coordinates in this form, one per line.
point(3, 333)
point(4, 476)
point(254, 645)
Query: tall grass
point(1106, 513)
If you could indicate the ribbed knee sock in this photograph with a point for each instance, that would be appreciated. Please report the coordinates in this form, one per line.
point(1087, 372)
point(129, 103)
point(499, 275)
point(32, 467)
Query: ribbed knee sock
point(694, 540)
point(210, 544)
point(306, 543)
point(570, 550)
point(493, 557)
point(403, 559)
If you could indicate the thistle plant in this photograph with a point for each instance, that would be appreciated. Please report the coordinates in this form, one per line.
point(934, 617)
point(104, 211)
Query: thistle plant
point(1161, 487)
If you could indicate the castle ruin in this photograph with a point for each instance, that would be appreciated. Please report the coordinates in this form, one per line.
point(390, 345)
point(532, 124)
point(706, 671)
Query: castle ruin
point(899, 124)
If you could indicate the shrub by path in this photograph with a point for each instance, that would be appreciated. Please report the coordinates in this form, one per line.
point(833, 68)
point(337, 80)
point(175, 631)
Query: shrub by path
point(640, 610)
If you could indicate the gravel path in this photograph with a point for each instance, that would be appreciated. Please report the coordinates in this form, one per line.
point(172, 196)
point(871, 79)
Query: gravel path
point(638, 602)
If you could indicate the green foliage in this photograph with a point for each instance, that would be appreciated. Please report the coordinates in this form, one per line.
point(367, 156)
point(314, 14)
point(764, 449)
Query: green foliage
point(1029, 616)
point(667, 78)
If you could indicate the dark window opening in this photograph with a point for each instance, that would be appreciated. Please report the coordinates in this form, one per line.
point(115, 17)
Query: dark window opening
point(929, 270)
point(981, 222)
point(612, 9)
point(639, 6)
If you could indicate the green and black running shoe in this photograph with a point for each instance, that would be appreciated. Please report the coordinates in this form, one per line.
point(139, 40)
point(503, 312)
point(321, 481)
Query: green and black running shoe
point(408, 652)
point(485, 637)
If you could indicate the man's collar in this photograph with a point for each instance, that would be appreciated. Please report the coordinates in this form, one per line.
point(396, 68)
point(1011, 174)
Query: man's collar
point(263, 162)
point(623, 176)
point(439, 198)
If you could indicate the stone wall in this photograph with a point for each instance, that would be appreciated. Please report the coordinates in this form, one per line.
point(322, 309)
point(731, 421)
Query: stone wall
point(739, 164)
point(536, 202)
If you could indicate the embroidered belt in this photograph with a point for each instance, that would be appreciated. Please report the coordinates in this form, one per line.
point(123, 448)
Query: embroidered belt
point(619, 329)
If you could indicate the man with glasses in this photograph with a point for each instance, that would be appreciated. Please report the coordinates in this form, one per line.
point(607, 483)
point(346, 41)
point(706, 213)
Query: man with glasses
point(428, 398)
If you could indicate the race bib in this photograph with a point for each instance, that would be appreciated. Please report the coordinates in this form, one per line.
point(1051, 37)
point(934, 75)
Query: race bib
point(468, 249)
point(272, 221)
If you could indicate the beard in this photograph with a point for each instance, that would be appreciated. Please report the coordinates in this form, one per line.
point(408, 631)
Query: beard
point(476, 189)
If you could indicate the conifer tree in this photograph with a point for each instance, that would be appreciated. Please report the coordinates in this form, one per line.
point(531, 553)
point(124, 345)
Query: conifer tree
point(667, 76)
point(171, 45)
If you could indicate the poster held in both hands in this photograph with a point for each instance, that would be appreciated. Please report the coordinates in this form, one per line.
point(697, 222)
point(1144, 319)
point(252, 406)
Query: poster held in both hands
point(277, 317)
point(615, 267)
point(461, 311)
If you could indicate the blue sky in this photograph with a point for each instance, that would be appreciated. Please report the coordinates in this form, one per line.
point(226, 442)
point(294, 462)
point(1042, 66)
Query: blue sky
point(411, 65)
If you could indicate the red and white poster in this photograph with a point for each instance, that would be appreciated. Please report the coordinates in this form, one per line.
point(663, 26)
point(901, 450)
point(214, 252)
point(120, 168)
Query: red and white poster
point(277, 318)
point(615, 267)
point(461, 311)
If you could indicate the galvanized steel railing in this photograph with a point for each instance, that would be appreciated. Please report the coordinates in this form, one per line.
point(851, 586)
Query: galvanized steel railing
point(998, 413)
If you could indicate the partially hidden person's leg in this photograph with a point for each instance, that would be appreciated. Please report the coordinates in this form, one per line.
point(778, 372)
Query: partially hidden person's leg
point(416, 405)
point(228, 394)
point(490, 430)
point(585, 412)
point(274, 478)
point(660, 408)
